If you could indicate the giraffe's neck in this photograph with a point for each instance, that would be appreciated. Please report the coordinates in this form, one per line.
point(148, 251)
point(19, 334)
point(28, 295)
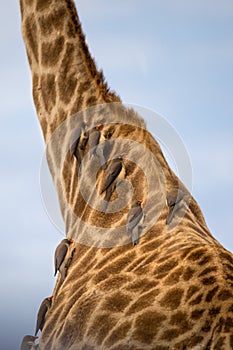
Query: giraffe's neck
point(169, 289)
point(64, 75)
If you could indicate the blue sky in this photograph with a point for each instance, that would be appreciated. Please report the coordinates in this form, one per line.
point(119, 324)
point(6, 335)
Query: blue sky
point(174, 57)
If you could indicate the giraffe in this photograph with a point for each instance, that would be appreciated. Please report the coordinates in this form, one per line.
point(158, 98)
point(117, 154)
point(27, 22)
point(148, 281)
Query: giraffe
point(171, 291)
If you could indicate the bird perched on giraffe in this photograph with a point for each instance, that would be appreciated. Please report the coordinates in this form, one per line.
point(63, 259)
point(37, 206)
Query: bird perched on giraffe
point(174, 203)
point(116, 172)
point(41, 315)
point(64, 267)
point(60, 253)
point(95, 137)
point(78, 143)
point(28, 342)
point(134, 221)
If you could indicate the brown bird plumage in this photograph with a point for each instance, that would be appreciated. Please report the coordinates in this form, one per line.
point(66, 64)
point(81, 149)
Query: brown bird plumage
point(135, 218)
point(94, 138)
point(115, 169)
point(41, 315)
point(60, 253)
point(174, 199)
point(28, 342)
point(115, 173)
point(64, 267)
point(78, 143)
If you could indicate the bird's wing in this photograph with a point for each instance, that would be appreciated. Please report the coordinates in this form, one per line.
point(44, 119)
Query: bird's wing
point(94, 138)
point(41, 315)
point(173, 199)
point(133, 218)
point(59, 256)
point(113, 171)
point(74, 141)
point(135, 235)
point(107, 197)
point(107, 148)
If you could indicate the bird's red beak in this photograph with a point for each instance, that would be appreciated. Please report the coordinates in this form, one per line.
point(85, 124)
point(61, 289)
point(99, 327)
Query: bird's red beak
point(123, 154)
point(140, 201)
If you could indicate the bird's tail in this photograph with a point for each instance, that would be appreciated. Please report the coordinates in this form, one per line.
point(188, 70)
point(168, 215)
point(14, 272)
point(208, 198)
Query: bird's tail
point(107, 198)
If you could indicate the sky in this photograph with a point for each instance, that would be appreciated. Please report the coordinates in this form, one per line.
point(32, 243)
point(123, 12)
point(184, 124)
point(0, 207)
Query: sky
point(174, 57)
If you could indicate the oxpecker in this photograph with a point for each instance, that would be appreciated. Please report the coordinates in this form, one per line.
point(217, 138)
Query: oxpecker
point(135, 219)
point(28, 342)
point(64, 267)
point(78, 143)
point(60, 253)
point(105, 150)
point(115, 173)
point(44, 307)
point(174, 202)
point(94, 138)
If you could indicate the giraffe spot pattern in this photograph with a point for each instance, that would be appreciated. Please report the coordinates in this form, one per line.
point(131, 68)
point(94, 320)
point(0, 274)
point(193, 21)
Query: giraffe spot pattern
point(146, 300)
point(83, 312)
point(219, 344)
point(54, 21)
point(147, 326)
point(209, 280)
point(114, 267)
point(116, 302)
point(181, 321)
point(228, 326)
point(197, 254)
point(167, 267)
point(118, 333)
point(31, 34)
point(111, 255)
point(211, 294)
point(123, 346)
point(174, 277)
point(115, 281)
point(101, 326)
point(66, 91)
point(87, 347)
point(225, 294)
point(195, 341)
point(136, 286)
point(197, 300)
point(51, 51)
point(172, 298)
point(35, 88)
point(207, 271)
point(207, 259)
point(76, 290)
point(214, 311)
point(170, 334)
point(207, 325)
point(227, 256)
point(191, 291)
point(43, 4)
point(188, 273)
point(48, 90)
point(197, 314)
point(231, 341)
